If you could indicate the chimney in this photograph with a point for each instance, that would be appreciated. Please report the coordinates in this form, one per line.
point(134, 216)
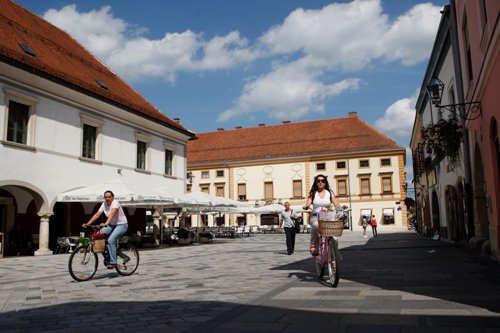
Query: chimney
point(237, 127)
point(220, 129)
point(353, 114)
point(262, 125)
point(286, 121)
point(177, 120)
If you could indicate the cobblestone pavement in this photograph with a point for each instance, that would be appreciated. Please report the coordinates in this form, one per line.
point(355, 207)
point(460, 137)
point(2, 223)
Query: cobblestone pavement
point(397, 282)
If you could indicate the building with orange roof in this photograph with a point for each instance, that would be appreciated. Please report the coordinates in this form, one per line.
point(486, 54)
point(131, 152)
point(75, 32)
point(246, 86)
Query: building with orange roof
point(67, 121)
point(274, 164)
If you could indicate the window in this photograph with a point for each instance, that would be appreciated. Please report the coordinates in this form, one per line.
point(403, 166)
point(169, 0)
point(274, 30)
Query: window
point(341, 165)
point(219, 190)
point(20, 118)
point(242, 191)
point(297, 188)
point(205, 174)
point(89, 141)
point(342, 187)
point(386, 181)
point(205, 188)
point(220, 173)
point(268, 190)
point(364, 163)
point(141, 155)
point(365, 185)
point(320, 166)
point(468, 49)
point(17, 124)
point(169, 162)
point(188, 188)
point(90, 137)
point(385, 162)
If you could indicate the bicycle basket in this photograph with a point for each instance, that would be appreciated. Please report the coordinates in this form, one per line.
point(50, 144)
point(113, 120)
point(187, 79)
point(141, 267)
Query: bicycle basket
point(330, 227)
point(99, 245)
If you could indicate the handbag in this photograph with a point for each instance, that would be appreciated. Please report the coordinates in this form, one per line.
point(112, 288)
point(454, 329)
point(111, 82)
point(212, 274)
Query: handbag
point(296, 223)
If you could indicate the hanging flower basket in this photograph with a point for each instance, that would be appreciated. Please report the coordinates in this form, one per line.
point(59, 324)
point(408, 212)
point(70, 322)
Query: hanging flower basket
point(443, 139)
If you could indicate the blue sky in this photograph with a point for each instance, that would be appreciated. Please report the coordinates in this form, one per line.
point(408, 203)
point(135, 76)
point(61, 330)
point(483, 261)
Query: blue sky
point(227, 63)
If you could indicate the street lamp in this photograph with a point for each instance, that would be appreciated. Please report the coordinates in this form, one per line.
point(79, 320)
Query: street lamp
point(466, 111)
point(190, 177)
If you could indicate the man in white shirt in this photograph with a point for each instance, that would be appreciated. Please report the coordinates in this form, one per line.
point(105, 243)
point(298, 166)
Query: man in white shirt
point(287, 221)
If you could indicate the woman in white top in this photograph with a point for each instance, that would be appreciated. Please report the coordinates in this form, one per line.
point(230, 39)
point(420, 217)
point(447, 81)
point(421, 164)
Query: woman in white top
point(116, 224)
point(320, 196)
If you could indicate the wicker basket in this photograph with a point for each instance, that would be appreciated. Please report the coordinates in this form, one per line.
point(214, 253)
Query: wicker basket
point(330, 227)
point(99, 245)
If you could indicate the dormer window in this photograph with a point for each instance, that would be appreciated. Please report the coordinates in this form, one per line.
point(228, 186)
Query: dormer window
point(102, 84)
point(27, 49)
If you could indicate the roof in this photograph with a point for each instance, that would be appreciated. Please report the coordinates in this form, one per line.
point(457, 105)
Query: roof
point(321, 137)
point(60, 58)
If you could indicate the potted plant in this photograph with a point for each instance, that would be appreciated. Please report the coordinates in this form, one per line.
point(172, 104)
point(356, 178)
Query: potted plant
point(443, 139)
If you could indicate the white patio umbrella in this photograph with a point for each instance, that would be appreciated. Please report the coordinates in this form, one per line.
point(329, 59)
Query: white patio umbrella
point(125, 192)
point(269, 209)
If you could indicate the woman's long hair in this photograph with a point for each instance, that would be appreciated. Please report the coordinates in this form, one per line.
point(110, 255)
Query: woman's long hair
point(314, 187)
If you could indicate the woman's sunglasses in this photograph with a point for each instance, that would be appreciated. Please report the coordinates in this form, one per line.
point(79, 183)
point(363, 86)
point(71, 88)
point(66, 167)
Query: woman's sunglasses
point(321, 181)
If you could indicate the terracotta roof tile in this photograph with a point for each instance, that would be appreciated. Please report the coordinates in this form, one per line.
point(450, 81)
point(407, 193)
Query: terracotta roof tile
point(330, 136)
point(61, 58)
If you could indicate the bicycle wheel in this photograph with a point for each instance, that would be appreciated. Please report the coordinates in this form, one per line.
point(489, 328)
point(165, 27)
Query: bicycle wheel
point(82, 263)
point(334, 263)
point(127, 258)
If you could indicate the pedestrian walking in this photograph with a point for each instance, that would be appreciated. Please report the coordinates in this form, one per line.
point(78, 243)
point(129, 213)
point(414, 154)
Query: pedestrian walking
point(374, 226)
point(364, 223)
point(287, 222)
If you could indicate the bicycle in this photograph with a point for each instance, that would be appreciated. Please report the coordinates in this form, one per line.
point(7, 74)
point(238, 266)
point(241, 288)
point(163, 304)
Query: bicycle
point(330, 225)
point(83, 261)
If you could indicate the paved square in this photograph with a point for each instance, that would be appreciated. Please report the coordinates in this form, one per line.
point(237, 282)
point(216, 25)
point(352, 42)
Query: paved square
point(397, 282)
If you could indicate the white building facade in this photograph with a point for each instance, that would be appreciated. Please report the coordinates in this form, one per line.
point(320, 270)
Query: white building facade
point(56, 136)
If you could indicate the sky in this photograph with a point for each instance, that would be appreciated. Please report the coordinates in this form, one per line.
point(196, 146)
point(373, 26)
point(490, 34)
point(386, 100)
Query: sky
point(226, 63)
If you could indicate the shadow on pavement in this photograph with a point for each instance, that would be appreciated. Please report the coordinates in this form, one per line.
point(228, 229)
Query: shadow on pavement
point(409, 263)
point(179, 316)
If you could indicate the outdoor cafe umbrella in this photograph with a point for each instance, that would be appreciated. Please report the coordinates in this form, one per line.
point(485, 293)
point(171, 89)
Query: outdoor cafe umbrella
point(269, 209)
point(125, 192)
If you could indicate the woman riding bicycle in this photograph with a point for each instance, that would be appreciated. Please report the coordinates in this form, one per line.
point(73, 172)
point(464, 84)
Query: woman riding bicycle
point(116, 224)
point(320, 196)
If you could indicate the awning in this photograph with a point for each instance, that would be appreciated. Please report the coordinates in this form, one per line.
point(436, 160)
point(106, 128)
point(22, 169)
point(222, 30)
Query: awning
point(388, 211)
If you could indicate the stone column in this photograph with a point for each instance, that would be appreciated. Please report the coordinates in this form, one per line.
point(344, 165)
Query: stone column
point(43, 236)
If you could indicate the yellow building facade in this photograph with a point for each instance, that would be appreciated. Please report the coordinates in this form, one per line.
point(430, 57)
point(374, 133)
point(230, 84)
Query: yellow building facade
point(369, 181)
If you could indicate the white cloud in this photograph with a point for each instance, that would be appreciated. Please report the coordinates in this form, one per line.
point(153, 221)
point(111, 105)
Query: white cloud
point(346, 37)
point(339, 36)
point(97, 30)
point(398, 118)
point(291, 91)
point(349, 36)
point(134, 56)
point(410, 38)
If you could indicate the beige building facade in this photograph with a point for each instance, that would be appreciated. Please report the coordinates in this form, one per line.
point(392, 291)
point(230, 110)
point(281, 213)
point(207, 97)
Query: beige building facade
point(369, 181)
